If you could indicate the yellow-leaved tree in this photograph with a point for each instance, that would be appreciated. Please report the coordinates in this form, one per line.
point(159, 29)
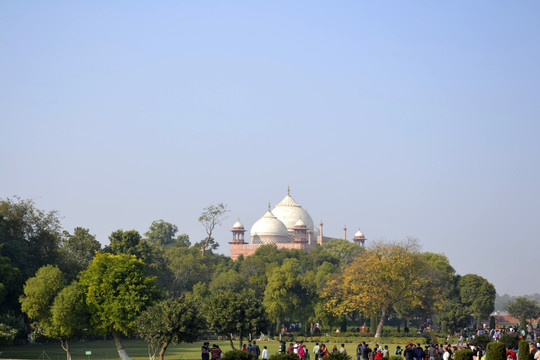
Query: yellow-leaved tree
point(384, 277)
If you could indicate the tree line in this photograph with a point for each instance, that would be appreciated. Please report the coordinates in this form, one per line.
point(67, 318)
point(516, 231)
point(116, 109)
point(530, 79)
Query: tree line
point(159, 285)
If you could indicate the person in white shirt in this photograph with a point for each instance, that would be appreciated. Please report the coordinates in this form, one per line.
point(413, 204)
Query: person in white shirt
point(265, 354)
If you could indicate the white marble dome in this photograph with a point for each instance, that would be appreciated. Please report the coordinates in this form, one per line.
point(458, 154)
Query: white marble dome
point(299, 223)
point(238, 225)
point(269, 229)
point(289, 212)
point(358, 234)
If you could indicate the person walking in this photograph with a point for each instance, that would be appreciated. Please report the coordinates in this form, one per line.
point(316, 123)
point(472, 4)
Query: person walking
point(205, 351)
point(265, 354)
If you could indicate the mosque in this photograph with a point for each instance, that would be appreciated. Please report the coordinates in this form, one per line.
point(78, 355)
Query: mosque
point(287, 225)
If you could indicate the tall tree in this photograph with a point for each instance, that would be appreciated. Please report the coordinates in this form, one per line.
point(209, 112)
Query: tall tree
point(11, 284)
point(163, 233)
point(523, 306)
point(171, 321)
point(235, 313)
point(211, 216)
point(39, 293)
point(289, 293)
point(78, 249)
point(59, 310)
point(478, 295)
point(69, 317)
point(117, 289)
point(342, 249)
point(382, 278)
point(31, 236)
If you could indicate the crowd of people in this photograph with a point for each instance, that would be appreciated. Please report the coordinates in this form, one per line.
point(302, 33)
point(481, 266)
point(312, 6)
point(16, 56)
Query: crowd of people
point(408, 352)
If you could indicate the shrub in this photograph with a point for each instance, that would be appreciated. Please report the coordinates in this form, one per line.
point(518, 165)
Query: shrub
point(338, 356)
point(495, 351)
point(464, 354)
point(239, 355)
point(443, 327)
point(523, 350)
point(284, 357)
point(510, 340)
point(481, 340)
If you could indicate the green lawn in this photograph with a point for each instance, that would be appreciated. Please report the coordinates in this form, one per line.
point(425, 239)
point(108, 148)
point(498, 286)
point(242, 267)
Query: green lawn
point(138, 350)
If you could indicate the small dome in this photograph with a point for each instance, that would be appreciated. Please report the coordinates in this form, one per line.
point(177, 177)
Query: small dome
point(238, 225)
point(269, 225)
point(358, 234)
point(299, 223)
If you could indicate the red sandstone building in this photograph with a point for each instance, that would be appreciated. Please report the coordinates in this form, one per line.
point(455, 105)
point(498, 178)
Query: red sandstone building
point(288, 226)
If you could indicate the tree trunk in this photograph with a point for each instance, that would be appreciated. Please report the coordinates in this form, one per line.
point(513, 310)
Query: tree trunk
point(163, 349)
point(379, 331)
point(119, 347)
point(230, 340)
point(65, 346)
point(205, 246)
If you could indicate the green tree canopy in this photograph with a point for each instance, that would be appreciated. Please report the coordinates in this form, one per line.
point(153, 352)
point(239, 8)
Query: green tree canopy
point(239, 313)
point(523, 306)
point(30, 236)
point(39, 293)
point(59, 310)
point(117, 289)
point(342, 249)
point(289, 293)
point(478, 295)
point(78, 249)
point(163, 233)
point(171, 321)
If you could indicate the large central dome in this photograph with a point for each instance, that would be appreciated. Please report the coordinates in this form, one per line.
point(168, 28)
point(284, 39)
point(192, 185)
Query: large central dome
point(289, 212)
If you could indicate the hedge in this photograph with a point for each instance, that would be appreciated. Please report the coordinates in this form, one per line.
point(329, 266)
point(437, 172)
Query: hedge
point(523, 350)
point(464, 354)
point(495, 351)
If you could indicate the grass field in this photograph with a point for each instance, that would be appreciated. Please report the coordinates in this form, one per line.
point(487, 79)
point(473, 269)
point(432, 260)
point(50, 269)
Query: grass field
point(138, 350)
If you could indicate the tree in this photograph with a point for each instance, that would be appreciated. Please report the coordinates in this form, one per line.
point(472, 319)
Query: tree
point(30, 236)
point(130, 243)
point(211, 216)
point(239, 313)
point(10, 285)
point(59, 310)
point(68, 316)
point(454, 314)
point(523, 306)
point(344, 250)
point(478, 295)
point(439, 287)
point(116, 290)
point(289, 294)
point(171, 321)
point(39, 294)
point(162, 233)
point(78, 249)
point(382, 278)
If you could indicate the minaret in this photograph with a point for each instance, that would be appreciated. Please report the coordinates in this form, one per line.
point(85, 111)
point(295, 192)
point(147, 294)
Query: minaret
point(321, 234)
point(345, 232)
point(238, 233)
point(300, 232)
point(359, 238)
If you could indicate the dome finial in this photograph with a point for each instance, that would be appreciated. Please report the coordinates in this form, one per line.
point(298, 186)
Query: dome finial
point(288, 190)
point(269, 206)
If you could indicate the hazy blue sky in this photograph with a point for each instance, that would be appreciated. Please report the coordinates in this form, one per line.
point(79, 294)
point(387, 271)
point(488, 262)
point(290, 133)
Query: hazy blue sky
point(411, 118)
